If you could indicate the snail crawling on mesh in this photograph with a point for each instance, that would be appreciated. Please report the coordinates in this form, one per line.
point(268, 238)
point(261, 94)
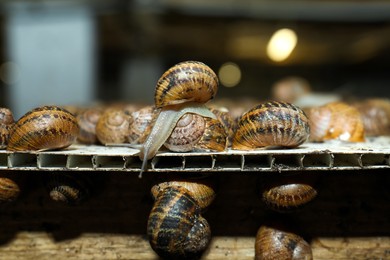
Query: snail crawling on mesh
point(43, 128)
point(271, 124)
point(6, 123)
point(278, 243)
point(182, 89)
point(175, 226)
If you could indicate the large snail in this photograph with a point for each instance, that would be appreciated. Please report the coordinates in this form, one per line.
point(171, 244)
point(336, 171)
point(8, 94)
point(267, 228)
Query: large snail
point(271, 124)
point(182, 89)
point(336, 120)
point(43, 128)
point(6, 123)
point(278, 243)
point(175, 227)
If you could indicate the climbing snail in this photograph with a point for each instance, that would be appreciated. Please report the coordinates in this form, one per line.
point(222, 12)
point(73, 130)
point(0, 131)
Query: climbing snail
point(271, 124)
point(277, 243)
point(175, 227)
point(6, 123)
point(182, 89)
point(336, 120)
point(43, 128)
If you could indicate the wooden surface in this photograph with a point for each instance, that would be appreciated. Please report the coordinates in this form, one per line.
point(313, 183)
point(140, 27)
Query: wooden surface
point(348, 220)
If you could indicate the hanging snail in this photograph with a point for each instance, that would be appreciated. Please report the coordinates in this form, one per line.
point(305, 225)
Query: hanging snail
point(43, 128)
point(182, 89)
point(175, 226)
point(271, 124)
point(6, 123)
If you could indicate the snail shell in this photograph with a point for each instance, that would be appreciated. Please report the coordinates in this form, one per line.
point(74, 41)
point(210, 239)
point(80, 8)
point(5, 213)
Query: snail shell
point(43, 128)
point(273, 243)
point(228, 123)
point(9, 190)
point(375, 115)
point(6, 123)
point(70, 188)
point(113, 126)
point(290, 89)
point(175, 227)
point(214, 137)
point(87, 121)
point(189, 81)
point(184, 88)
point(271, 124)
point(336, 120)
point(142, 124)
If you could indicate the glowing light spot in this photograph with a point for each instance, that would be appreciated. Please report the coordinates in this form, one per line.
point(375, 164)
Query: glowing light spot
point(229, 74)
point(281, 44)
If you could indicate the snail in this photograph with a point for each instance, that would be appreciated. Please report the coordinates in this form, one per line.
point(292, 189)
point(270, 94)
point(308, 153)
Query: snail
point(271, 124)
point(175, 226)
point(184, 88)
point(276, 243)
point(6, 123)
point(87, 121)
point(290, 89)
point(43, 128)
point(113, 126)
point(141, 125)
point(72, 188)
point(228, 123)
point(10, 189)
point(375, 114)
point(287, 193)
point(336, 120)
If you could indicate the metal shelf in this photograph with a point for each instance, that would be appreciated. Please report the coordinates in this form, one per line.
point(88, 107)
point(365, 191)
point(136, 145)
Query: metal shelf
point(372, 154)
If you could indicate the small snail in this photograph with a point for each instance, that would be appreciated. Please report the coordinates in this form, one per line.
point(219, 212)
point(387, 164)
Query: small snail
point(275, 243)
point(9, 189)
point(87, 121)
point(141, 124)
point(287, 193)
point(271, 124)
point(43, 128)
point(113, 126)
point(228, 123)
point(336, 120)
point(175, 227)
point(290, 89)
point(375, 115)
point(6, 123)
point(182, 89)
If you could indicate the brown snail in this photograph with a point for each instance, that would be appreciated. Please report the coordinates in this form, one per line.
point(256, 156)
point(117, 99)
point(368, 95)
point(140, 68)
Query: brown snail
point(87, 121)
point(336, 120)
point(375, 114)
point(43, 128)
point(277, 243)
point(175, 227)
point(182, 89)
point(290, 89)
point(271, 124)
point(113, 126)
point(141, 124)
point(10, 188)
point(6, 123)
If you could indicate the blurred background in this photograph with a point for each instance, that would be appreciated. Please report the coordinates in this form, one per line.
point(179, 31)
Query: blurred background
point(80, 52)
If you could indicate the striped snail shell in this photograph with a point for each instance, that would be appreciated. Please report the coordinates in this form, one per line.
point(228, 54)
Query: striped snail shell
point(375, 115)
point(43, 128)
point(87, 121)
point(287, 193)
point(275, 243)
point(182, 89)
point(141, 125)
point(336, 120)
point(113, 126)
point(214, 137)
point(175, 227)
point(224, 116)
point(9, 189)
point(70, 188)
point(6, 123)
point(271, 124)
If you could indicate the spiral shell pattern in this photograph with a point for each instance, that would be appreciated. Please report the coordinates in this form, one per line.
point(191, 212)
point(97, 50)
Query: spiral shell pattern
point(189, 81)
point(271, 124)
point(43, 128)
point(336, 120)
point(142, 124)
point(113, 126)
point(87, 121)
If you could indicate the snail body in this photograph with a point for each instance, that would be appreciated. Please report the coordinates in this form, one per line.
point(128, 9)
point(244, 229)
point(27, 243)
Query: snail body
point(271, 124)
point(6, 123)
point(275, 243)
point(336, 120)
point(43, 128)
point(182, 89)
point(113, 126)
point(175, 227)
